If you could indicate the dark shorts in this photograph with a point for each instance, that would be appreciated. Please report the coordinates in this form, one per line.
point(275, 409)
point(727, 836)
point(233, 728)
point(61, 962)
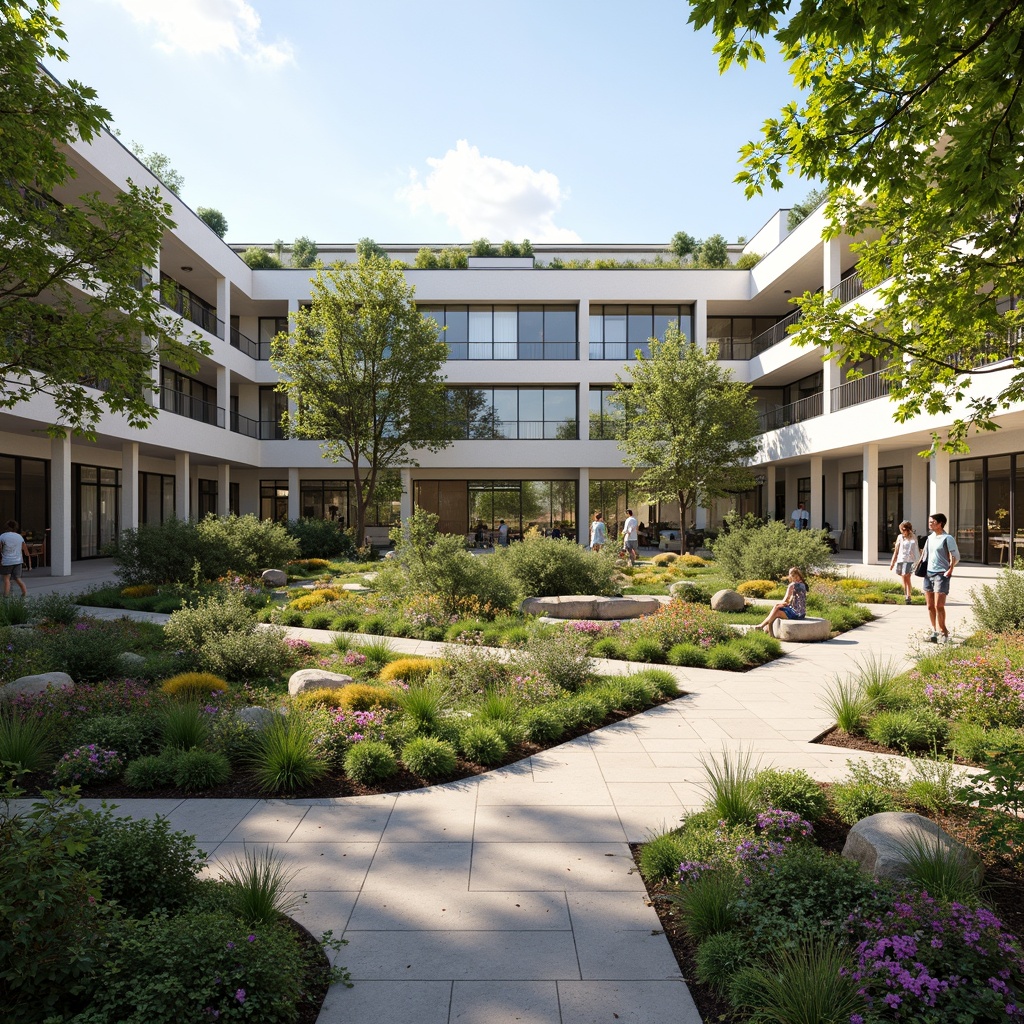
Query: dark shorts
point(14, 571)
point(630, 545)
point(937, 582)
point(792, 613)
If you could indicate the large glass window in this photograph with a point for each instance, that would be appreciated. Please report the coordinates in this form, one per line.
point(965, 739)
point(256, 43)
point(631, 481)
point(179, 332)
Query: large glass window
point(525, 414)
point(606, 415)
point(189, 397)
point(617, 332)
point(270, 326)
point(544, 505)
point(156, 497)
point(274, 500)
point(96, 494)
point(734, 335)
point(506, 332)
point(273, 406)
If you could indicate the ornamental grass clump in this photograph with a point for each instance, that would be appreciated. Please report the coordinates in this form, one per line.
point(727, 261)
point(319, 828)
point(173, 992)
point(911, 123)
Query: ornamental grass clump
point(259, 884)
point(410, 670)
point(26, 743)
point(194, 685)
point(729, 782)
point(285, 757)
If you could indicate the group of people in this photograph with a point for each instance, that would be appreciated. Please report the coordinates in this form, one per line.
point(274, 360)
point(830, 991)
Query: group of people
point(630, 535)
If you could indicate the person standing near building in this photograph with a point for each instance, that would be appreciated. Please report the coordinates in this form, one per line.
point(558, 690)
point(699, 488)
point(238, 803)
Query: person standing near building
point(503, 534)
point(801, 518)
point(941, 555)
point(14, 554)
point(904, 554)
point(598, 532)
point(630, 537)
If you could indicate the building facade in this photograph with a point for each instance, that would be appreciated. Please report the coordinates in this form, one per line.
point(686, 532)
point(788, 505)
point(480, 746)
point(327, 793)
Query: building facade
point(533, 356)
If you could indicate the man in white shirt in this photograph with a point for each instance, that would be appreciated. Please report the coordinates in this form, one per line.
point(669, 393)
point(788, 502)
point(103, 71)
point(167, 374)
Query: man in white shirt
point(630, 537)
point(801, 518)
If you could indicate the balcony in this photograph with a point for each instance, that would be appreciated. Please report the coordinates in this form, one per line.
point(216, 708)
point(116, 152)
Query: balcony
point(248, 347)
point(849, 289)
point(766, 339)
point(864, 389)
point(795, 412)
point(191, 308)
point(182, 404)
point(261, 430)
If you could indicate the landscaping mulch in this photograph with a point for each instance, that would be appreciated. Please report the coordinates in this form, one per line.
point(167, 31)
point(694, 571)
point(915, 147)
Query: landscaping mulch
point(1005, 896)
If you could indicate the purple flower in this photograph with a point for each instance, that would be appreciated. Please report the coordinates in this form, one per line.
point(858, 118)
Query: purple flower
point(240, 995)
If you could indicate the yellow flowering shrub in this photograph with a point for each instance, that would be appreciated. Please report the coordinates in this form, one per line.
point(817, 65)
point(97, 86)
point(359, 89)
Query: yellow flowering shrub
point(756, 588)
point(411, 670)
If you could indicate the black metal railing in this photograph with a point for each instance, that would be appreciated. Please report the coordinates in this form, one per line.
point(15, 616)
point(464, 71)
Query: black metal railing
point(863, 389)
point(191, 308)
point(247, 346)
point(182, 404)
point(848, 289)
point(795, 412)
point(780, 332)
point(261, 430)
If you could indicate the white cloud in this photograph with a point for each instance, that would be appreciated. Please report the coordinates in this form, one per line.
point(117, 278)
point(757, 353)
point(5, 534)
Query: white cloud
point(483, 196)
point(208, 27)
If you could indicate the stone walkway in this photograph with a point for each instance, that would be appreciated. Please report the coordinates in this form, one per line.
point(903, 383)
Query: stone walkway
point(513, 897)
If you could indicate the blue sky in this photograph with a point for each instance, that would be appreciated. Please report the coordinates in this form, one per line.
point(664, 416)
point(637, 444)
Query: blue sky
point(406, 121)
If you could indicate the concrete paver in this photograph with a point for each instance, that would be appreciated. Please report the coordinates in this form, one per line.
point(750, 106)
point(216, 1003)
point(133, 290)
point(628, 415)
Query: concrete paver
point(512, 896)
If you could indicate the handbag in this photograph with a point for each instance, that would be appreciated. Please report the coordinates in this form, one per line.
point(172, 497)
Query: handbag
point(922, 565)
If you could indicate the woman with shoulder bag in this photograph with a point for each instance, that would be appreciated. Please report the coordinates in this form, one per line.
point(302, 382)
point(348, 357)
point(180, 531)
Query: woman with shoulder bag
point(904, 555)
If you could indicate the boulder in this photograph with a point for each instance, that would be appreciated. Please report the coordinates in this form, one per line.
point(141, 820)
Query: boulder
point(728, 601)
point(802, 631)
point(129, 662)
point(589, 606)
point(274, 578)
point(316, 679)
point(255, 718)
point(38, 684)
point(881, 842)
point(630, 607)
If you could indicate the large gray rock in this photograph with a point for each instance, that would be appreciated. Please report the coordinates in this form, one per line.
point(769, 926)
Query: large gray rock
point(274, 577)
point(880, 843)
point(629, 607)
point(728, 601)
point(316, 679)
point(589, 606)
point(38, 684)
point(255, 718)
point(803, 631)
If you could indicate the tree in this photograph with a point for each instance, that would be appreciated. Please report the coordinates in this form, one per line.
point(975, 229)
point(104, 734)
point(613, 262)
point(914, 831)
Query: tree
point(683, 244)
point(482, 247)
point(911, 115)
point(213, 219)
point(160, 165)
point(712, 253)
point(74, 305)
point(258, 258)
point(364, 369)
point(689, 429)
point(800, 211)
point(304, 252)
point(367, 247)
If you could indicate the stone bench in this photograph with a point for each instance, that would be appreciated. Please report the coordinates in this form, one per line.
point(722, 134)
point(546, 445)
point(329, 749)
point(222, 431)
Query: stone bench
point(802, 631)
point(588, 606)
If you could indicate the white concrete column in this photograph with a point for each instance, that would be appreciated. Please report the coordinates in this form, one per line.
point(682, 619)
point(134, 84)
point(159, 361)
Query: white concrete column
point(700, 519)
point(223, 489)
point(938, 484)
point(224, 305)
point(869, 506)
point(832, 270)
point(129, 485)
point(584, 411)
point(583, 330)
point(224, 395)
point(406, 501)
point(60, 505)
point(294, 497)
point(831, 377)
point(769, 488)
point(182, 485)
point(700, 324)
point(817, 493)
point(583, 505)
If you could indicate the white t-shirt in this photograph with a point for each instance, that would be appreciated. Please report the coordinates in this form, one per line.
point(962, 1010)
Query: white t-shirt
point(598, 532)
point(907, 550)
point(11, 543)
point(801, 518)
point(629, 528)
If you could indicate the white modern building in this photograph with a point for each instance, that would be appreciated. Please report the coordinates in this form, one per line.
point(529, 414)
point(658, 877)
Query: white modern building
point(543, 346)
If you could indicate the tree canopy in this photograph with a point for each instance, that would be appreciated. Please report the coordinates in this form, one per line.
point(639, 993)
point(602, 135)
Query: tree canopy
point(690, 429)
point(160, 165)
point(304, 252)
point(912, 116)
point(364, 369)
point(213, 219)
point(74, 304)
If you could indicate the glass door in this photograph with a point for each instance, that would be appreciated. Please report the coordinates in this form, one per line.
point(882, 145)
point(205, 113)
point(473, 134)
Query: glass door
point(998, 546)
point(890, 507)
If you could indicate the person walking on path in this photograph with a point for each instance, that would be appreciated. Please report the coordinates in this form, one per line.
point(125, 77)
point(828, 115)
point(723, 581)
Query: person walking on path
point(800, 518)
point(940, 554)
point(904, 554)
point(598, 532)
point(503, 534)
point(15, 554)
point(630, 536)
point(792, 606)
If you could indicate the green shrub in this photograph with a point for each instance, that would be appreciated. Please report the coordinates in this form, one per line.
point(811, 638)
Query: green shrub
point(692, 593)
point(753, 550)
point(688, 656)
point(793, 790)
point(767, 646)
point(199, 769)
point(130, 735)
point(910, 729)
point(429, 757)
point(542, 567)
point(660, 858)
point(158, 553)
point(543, 725)
point(482, 744)
point(582, 710)
point(320, 538)
point(726, 658)
point(856, 800)
point(719, 957)
point(971, 740)
point(142, 864)
point(285, 757)
point(646, 650)
point(560, 657)
point(608, 647)
point(319, 620)
point(664, 683)
point(51, 949)
point(243, 544)
point(376, 625)
point(1000, 606)
point(88, 654)
point(627, 693)
point(260, 656)
point(370, 762)
point(54, 607)
point(152, 772)
point(702, 836)
point(165, 970)
point(194, 627)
